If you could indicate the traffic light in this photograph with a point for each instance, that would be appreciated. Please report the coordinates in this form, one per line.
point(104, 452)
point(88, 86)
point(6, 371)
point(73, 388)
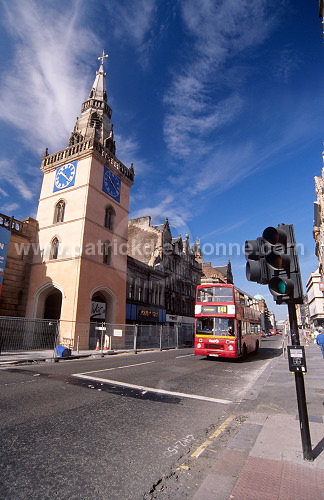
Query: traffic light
point(273, 260)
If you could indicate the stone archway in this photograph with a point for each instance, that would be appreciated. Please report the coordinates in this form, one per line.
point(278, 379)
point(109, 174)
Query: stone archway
point(48, 301)
point(103, 310)
point(52, 306)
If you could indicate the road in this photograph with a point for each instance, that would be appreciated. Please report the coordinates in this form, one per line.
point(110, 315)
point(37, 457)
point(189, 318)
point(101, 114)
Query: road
point(123, 426)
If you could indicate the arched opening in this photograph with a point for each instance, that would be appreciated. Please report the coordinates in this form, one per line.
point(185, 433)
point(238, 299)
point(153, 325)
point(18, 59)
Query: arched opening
point(98, 308)
point(59, 211)
point(52, 306)
point(102, 315)
point(54, 248)
point(106, 253)
point(48, 302)
point(110, 218)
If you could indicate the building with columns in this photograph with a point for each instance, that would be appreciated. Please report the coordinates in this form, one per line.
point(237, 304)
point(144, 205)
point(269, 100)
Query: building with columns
point(79, 270)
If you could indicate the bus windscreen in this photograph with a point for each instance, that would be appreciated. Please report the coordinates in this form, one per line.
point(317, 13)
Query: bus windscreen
point(215, 326)
point(215, 294)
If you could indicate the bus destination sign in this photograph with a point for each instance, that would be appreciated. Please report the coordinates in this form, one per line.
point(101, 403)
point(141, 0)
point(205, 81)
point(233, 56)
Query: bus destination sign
point(214, 309)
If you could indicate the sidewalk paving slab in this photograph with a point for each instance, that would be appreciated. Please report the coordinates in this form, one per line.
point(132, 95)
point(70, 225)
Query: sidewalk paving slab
point(265, 458)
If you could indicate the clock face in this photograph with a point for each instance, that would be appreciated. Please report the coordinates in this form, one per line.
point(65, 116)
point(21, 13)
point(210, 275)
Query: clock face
point(111, 184)
point(65, 176)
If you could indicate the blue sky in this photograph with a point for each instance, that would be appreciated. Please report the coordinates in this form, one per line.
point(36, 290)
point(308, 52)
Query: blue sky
point(218, 104)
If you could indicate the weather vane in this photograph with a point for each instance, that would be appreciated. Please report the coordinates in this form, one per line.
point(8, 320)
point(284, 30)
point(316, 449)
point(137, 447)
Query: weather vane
point(102, 57)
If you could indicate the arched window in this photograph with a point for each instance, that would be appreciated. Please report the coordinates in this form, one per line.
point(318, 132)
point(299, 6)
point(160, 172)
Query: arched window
point(59, 212)
point(54, 248)
point(110, 218)
point(107, 253)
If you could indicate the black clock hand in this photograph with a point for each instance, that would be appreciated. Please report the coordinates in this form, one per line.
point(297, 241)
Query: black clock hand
point(64, 175)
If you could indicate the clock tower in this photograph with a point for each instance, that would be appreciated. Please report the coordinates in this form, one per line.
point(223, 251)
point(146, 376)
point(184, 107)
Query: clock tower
point(80, 261)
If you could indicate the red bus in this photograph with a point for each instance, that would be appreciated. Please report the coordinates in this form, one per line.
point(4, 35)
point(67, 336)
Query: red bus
point(227, 322)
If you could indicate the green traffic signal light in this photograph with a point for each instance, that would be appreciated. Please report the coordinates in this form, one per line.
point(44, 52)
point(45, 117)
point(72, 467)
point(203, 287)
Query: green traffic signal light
point(273, 259)
point(281, 286)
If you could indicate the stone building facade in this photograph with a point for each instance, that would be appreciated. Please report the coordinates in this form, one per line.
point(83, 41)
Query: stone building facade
point(217, 274)
point(318, 230)
point(315, 299)
point(22, 240)
point(172, 268)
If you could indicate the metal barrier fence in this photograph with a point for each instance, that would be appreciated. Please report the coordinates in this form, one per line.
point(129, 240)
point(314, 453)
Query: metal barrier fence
point(23, 334)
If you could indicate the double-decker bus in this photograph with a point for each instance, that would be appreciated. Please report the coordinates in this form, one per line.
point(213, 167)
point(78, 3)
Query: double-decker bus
point(227, 322)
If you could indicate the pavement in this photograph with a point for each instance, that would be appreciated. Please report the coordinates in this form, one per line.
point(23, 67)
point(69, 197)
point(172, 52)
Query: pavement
point(265, 459)
point(17, 357)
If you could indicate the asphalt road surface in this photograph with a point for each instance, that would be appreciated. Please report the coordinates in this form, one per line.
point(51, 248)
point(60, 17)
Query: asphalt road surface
point(121, 427)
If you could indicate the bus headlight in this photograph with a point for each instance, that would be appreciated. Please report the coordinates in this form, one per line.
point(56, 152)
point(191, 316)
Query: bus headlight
point(199, 345)
point(230, 348)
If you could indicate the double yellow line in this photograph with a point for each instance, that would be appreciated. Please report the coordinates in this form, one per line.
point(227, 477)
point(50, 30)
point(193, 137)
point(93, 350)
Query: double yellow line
point(210, 439)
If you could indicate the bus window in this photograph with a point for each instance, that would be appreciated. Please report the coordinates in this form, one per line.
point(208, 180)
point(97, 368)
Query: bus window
point(215, 326)
point(215, 294)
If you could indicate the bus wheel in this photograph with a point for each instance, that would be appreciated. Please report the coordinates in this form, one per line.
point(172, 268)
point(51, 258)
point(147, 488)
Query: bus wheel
point(256, 347)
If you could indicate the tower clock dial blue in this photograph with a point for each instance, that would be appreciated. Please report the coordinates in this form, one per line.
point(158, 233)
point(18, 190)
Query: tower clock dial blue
point(65, 176)
point(111, 184)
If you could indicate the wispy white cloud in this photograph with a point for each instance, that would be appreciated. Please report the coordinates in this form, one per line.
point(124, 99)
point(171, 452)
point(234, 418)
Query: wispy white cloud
point(219, 31)
point(224, 229)
point(186, 133)
point(42, 89)
point(286, 65)
point(9, 208)
point(133, 24)
point(131, 21)
point(167, 207)
point(10, 175)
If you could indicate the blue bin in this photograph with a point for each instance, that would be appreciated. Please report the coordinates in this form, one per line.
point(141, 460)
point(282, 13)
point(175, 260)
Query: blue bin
point(63, 352)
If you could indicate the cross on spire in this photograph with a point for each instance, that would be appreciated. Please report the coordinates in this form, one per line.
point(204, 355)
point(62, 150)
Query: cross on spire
point(102, 57)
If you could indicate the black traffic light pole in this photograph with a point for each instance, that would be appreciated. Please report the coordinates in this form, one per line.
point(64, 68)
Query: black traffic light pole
point(300, 389)
point(273, 260)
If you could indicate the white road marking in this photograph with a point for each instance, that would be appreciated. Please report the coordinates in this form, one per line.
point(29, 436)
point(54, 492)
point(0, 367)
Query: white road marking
point(252, 378)
point(118, 367)
point(151, 389)
point(184, 356)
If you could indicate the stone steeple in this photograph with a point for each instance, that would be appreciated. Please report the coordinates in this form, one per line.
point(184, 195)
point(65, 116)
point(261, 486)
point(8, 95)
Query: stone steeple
point(94, 122)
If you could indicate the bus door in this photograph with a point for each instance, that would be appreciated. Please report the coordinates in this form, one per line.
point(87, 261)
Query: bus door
point(239, 336)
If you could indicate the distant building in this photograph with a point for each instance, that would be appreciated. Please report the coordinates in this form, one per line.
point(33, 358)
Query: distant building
point(162, 274)
point(315, 294)
point(318, 230)
point(216, 274)
point(267, 317)
point(22, 241)
point(315, 284)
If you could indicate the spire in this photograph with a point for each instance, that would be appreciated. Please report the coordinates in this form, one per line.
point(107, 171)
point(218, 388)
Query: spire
point(98, 90)
point(94, 122)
